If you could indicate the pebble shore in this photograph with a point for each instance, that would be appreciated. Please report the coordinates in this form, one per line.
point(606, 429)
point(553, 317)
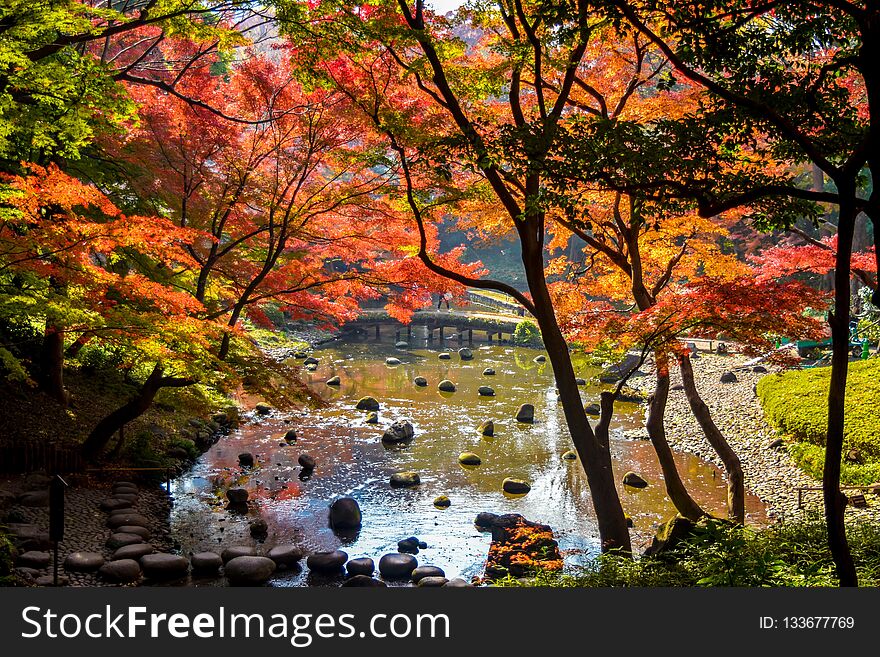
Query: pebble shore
point(770, 473)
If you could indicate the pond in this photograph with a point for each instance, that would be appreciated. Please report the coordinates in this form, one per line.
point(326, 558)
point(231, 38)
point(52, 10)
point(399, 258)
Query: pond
point(351, 460)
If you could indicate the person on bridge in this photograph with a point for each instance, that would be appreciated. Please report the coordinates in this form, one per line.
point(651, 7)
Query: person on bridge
point(445, 297)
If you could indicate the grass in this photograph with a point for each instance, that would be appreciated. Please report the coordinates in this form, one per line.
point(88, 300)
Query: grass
point(795, 402)
point(719, 554)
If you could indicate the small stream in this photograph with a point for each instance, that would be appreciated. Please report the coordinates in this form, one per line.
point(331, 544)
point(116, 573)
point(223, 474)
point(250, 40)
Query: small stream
point(351, 460)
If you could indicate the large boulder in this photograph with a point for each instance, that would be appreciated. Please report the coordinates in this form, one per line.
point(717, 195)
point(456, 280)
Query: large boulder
point(121, 571)
point(465, 354)
point(397, 565)
point(345, 513)
point(83, 562)
point(405, 479)
point(617, 371)
point(367, 404)
point(327, 563)
point(164, 566)
point(670, 534)
point(526, 413)
point(35, 498)
point(446, 386)
point(285, 556)
point(249, 571)
point(290, 436)
point(399, 432)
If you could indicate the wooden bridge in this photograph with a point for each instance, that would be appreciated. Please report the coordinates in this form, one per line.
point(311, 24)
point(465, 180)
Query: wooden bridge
point(438, 325)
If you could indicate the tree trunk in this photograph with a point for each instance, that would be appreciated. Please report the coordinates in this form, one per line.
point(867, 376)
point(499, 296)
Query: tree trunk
point(76, 346)
point(736, 501)
point(675, 488)
point(52, 370)
point(105, 429)
point(595, 457)
point(835, 500)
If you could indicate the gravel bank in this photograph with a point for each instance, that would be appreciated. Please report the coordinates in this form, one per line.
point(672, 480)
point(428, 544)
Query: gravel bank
point(769, 472)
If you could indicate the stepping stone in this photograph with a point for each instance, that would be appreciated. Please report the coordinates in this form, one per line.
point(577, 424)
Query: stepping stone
point(122, 571)
point(132, 498)
point(164, 566)
point(231, 553)
point(124, 490)
point(593, 410)
point(49, 580)
point(327, 563)
point(405, 479)
point(465, 354)
point(249, 571)
point(125, 484)
point(432, 581)
point(122, 519)
point(392, 361)
point(206, 563)
point(540, 358)
point(311, 360)
point(237, 496)
point(34, 498)
point(114, 504)
point(372, 418)
point(469, 458)
point(265, 409)
point(486, 391)
point(634, 480)
point(397, 565)
point(446, 386)
point(458, 583)
point(134, 551)
point(285, 556)
point(444, 356)
point(290, 436)
point(362, 566)
point(33, 559)
point(442, 502)
point(306, 461)
point(526, 413)
point(570, 455)
point(120, 539)
point(420, 381)
point(487, 428)
point(488, 372)
point(367, 404)
point(515, 486)
point(246, 460)
point(83, 562)
point(363, 581)
point(143, 532)
point(334, 381)
point(345, 513)
point(426, 571)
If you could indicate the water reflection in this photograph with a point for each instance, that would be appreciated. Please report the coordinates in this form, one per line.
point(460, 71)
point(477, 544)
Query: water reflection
point(352, 460)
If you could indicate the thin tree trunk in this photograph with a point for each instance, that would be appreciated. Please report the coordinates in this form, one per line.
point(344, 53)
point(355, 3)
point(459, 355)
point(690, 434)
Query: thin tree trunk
point(736, 501)
point(76, 346)
point(52, 382)
point(835, 500)
point(675, 488)
point(105, 429)
point(594, 456)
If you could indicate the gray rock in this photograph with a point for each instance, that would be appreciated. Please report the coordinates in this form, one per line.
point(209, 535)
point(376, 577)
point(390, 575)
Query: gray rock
point(487, 428)
point(442, 502)
point(246, 460)
point(49, 580)
point(426, 571)
point(345, 513)
point(469, 458)
point(617, 371)
point(408, 545)
point(515, 486)
point(363, 581)
point(580, 382)
point(399, 432)
point(311, 360)
point(593, 410)
point(526, 413)
point(83, 562)
point(285, 556)
point(114, 504)
point(37, 498)
point(206, 563)
point(234, 551)
point(446, 386)
point(334, 381)
point(397, 565)
point(249, 571)
point(164, 566)
point(237, 496)
point(367, 404)
point(306, 461)
point(121, 571)
point(392, 361)
point(728, 377)
point(759, 369)
point(634, 480)
point(401, 345)
point(444, 356)
point(486, 391)
point(361, 566)
point(119, 540)
point(458, 583)
point(258, 528)
point(405, 479)
point(327, 563)
point(432, 581)
point(465, 354)
point(420, 381)
point(33, 559)
point(134, 551)
point(488, 372)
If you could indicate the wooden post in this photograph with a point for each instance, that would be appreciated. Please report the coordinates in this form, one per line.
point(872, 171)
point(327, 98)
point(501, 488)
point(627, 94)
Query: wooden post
point(470, 337)
point(408, 332)
point(378, 334)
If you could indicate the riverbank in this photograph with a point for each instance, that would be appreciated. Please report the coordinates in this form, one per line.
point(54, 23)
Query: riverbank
point(769, 471)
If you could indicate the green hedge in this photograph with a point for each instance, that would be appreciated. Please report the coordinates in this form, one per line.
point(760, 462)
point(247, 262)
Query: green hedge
point(796, 402)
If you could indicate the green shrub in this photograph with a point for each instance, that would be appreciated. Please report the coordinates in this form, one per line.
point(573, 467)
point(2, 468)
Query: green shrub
point(527, 333)
point(796, 403)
